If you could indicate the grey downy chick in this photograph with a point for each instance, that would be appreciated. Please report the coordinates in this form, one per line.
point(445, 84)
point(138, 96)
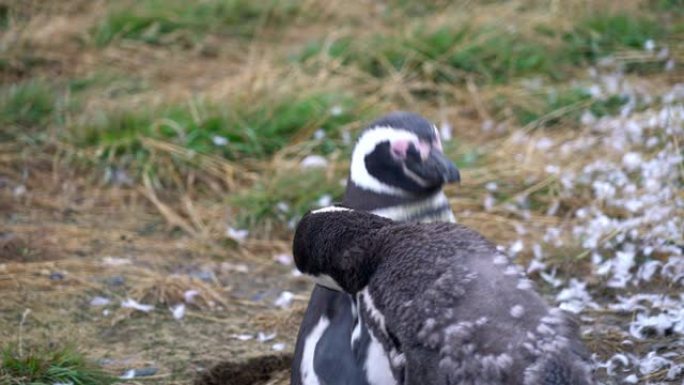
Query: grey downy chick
point(446, 304)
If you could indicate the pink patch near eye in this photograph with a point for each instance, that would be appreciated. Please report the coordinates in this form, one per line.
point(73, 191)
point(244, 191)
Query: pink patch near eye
point(399, 148)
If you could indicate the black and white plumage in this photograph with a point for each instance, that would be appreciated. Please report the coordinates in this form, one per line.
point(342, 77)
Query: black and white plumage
point(448, 307)
point(397, 171)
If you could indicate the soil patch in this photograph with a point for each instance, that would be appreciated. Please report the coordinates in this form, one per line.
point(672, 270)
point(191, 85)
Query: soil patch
point(254, 370)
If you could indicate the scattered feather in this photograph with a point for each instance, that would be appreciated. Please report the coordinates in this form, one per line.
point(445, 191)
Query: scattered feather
point(133, 304)
point(264, 337)
point(219, 141)
point(242, 337)
point(99, 301)
point(178, 311)
point(324, 201)
point(284, 259)
point(284, 300)
point(115, 261)
point(238, 235)
point(189, 295)
point(313, 161)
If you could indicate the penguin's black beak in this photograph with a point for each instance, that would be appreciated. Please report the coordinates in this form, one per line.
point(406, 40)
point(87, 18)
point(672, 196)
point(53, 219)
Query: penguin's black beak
point(431, 171)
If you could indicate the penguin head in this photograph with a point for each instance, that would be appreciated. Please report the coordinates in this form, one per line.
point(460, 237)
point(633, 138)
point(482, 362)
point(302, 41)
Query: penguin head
point(337, 246)
point(401, 154)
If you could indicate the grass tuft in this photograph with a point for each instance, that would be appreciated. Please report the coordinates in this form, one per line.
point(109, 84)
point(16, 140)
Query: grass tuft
point(299, 191)
point(5, 17)
point(556, 106)
point(165, 22)
point(491, 53)
point(676, 6)
point(26, 105)
point(50, 366)
point(339, 49)
point(446, 54)
point(599, 35)
point(235, 132)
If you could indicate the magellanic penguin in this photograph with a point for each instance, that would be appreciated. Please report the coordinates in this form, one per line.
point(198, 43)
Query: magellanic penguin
point(397, 171)
point(448, 307)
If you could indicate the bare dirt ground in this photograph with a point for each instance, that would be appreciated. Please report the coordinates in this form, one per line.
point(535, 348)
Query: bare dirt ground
point(61, 248)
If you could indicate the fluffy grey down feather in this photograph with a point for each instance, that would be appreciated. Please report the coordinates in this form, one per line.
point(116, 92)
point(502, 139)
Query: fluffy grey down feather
point(448, 307)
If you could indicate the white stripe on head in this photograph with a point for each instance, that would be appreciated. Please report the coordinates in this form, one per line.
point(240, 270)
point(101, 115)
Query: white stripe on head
point(330, 209)
point(364, 146)
point(412, 175)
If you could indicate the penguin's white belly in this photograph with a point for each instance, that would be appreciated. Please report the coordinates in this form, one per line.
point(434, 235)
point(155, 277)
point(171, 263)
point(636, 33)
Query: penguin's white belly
point(309, 376)
point(378, 371)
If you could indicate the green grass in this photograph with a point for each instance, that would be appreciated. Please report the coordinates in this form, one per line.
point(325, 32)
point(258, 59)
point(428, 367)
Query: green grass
point(400, 10)
point(28, 109)
point(340, 49)
point(600, 35)
point(560, 106)
point(48, 367)
point(676, 6)
point(25, 108)
point(108, 83)
point(299, 190)
point(4, 16)
point(26, 104)
point(171, 21)
point(255, 131)
point(236, 131)
point(446, 54)
point(490, 54)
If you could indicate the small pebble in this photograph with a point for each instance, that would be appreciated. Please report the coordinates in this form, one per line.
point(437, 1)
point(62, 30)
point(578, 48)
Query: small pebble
point(56, 276)
point(143, 372)
point(204, 275)
point(116, 280)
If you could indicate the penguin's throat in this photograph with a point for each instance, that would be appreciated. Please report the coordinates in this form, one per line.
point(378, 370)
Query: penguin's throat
point(413, 208)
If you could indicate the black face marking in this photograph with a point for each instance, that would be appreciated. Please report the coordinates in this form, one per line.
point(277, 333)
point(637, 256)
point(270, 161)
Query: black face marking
point(427, 175)
point(419, 169)
point(382, 165)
